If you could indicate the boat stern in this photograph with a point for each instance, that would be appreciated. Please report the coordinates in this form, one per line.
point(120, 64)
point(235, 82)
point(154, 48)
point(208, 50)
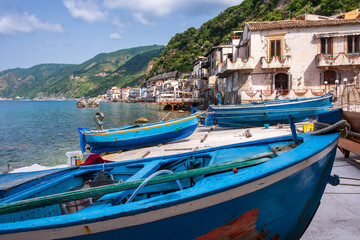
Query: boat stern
point(82, 139)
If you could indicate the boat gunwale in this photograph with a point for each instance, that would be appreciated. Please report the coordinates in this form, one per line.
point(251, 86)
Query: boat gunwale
point(268, 104)
point(141, 127)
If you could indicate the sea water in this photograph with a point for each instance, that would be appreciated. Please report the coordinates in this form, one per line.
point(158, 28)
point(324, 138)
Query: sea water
point(39, 133)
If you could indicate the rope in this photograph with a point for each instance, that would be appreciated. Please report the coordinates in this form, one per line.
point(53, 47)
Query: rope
point(347, 126)
point(354, 134)
point(341, 126)
point(349, 178)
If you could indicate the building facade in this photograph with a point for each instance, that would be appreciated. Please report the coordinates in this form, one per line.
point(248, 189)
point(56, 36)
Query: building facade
point(290, 58)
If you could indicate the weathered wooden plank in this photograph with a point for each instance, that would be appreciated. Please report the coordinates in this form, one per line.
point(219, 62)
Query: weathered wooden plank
point(349, 145)
point(98, 191)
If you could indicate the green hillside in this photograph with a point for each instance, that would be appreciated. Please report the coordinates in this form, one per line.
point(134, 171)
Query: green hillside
point(183, 48)
point(18, 79)
point(93, 77)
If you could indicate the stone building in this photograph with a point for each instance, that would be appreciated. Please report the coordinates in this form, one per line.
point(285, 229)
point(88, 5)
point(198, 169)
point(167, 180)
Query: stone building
point(286, 59)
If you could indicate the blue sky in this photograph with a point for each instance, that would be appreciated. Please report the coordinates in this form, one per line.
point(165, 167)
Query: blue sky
point(72, 31)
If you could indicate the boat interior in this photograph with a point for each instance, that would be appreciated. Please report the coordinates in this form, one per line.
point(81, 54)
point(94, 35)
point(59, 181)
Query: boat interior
point(188, 171)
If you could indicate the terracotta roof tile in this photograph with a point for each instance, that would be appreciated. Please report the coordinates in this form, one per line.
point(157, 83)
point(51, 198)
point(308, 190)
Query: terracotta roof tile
point(286, 24)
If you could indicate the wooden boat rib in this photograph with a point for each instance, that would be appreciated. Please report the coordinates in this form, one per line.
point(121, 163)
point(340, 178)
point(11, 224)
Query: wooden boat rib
point(276, 194)
point(138, 135)
point(271, 112)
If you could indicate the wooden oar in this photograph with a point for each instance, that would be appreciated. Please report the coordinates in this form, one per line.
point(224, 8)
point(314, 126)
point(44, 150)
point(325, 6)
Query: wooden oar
point(97, 191)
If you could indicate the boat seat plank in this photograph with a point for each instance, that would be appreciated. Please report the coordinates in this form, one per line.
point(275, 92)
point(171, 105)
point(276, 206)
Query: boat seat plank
point(41, 187)
point(10, 180)
point(146, 171)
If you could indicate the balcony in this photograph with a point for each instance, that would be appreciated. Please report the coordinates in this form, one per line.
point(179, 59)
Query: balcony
point(204, 75)
point(337, 59)
point(276, 62)
point(205, 64)
point(227, 67)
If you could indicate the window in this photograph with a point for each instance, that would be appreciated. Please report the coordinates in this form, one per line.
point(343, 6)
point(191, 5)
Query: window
point(326, 46)
point(330, 76)
point(353, 45)
point(230, 57)
point(282, 83)
point(275, 48)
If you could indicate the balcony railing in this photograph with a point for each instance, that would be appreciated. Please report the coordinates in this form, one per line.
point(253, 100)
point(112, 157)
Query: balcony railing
point(337, 59)
point(205, 64)
point(276, 62)
point(227, 67)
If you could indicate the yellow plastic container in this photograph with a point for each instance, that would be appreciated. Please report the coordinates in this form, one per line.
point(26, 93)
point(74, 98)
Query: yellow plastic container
point(308, 127)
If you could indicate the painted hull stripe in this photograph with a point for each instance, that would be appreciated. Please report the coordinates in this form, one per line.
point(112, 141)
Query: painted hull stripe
point(140, 129)
point(163, 213)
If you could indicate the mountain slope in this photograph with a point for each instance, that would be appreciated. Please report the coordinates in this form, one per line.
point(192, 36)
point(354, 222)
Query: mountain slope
point(90, 78)
point(183, 48)
point(19, 79)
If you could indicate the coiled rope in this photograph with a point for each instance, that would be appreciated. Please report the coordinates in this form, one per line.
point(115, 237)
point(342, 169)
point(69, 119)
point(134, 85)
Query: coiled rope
point(341, 126)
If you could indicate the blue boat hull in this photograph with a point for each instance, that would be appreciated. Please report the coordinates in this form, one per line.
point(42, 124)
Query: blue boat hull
point(138, 136)
point(282, 210)
point(276, 199)
point(267, 112)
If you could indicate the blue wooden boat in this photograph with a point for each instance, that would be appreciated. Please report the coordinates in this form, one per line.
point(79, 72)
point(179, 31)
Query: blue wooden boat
point(269, 112)
point(268, 188)
point(138, 135)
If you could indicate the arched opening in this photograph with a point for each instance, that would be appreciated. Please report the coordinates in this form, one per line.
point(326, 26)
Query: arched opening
point(330, 76)
point(282, 83)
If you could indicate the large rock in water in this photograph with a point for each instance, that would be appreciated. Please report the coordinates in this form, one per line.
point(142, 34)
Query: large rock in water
point(93, 102)
point(141, 120)
point(81, 103)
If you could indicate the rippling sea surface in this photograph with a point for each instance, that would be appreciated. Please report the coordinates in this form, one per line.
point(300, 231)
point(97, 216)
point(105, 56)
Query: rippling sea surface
point(41, 132)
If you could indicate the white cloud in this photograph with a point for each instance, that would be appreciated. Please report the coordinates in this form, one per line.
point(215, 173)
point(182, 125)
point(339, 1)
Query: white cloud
point(87, 10)
point(139, 17)
point(147, 11)
point(25, 23)
point(117, 23)
point(115, 36)
point(157, 8)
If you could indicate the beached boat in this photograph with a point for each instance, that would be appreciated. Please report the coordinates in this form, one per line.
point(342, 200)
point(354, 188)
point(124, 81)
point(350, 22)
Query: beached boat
point(269, 112)
point(138, 135)
point(267, 188)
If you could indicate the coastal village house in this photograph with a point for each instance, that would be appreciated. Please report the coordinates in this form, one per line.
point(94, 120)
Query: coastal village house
point(154, 85)
point(113, 94)
point(199, 77)
point(125, 92)
point(134, 94)
point(287, 59)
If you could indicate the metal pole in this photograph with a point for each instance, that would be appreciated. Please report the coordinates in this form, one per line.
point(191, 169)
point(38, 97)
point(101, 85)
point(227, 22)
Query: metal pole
point(293, 129)
point(165, 116)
